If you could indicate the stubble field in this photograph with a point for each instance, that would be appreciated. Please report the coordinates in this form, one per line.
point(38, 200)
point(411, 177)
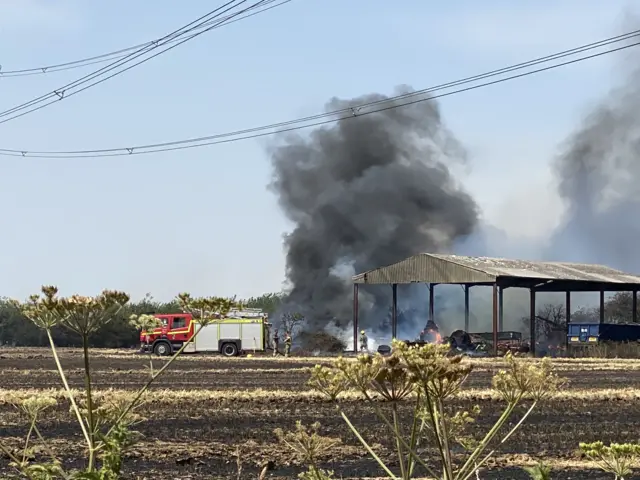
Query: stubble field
point(206, 410)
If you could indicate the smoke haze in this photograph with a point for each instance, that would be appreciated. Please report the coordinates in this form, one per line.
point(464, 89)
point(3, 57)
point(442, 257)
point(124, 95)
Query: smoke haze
point(598, 173)
point(373, 191)
point(364, 193)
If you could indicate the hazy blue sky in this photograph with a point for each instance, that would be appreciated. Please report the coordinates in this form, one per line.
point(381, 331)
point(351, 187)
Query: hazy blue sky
point(203, 220)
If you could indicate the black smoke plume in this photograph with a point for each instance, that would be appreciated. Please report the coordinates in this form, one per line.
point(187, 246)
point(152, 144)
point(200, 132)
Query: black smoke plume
point(599, 182)
point(363, 193)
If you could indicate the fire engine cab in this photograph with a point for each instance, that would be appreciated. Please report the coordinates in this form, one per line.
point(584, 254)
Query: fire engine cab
point(239, 331)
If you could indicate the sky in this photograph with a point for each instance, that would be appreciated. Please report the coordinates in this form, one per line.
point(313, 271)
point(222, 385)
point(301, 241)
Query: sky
point(203, 220)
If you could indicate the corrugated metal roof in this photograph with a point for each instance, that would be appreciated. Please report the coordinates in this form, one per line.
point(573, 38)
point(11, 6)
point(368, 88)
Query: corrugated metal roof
point(441, 268)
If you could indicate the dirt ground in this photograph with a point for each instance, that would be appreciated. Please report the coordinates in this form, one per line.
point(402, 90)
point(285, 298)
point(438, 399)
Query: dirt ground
point(206, 410)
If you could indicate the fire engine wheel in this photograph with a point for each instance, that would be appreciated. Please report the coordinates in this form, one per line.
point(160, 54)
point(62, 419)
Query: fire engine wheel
point(162, 349)
point(229, 350)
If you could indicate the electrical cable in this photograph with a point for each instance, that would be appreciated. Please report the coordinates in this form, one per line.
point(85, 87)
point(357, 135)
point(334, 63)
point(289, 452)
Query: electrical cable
point(105, 57)
point(348, 113)
point(61, 93)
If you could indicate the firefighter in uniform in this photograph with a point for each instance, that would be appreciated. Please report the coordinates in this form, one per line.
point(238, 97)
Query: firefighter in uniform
point(364, 341)
point(276, 341)
point(287, 344)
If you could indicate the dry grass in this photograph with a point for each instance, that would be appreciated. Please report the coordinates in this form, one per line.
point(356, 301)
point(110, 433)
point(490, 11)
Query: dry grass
point(260, 395)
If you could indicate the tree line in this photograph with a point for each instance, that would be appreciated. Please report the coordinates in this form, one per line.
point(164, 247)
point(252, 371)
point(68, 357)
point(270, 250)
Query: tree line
point(552, 317)
point(16, 330)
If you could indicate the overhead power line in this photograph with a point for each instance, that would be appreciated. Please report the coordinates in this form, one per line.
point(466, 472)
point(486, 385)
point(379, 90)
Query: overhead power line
point(116, 54)
point(212, 18)
point(350, 113)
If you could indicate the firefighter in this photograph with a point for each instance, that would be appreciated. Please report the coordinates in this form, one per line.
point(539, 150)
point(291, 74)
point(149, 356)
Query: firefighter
point(276, 341)
point(287, 344)
point(364, 341)
point(421, 337)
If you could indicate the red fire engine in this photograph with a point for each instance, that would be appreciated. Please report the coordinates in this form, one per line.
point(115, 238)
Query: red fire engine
point(239, 331)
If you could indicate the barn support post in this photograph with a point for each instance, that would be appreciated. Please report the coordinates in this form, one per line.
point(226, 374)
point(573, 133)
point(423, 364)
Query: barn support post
point(500, 309)
point(532, 320)
point(634, 307)
point(601, 306)
point(466, 308)
point(495, 319)
point(394, 311)
point(567, 316)
point(431, 310)
point(355, 318)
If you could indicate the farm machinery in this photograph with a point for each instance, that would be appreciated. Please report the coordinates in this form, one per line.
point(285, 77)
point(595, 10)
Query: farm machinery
point(469, 344)
point(237, 332)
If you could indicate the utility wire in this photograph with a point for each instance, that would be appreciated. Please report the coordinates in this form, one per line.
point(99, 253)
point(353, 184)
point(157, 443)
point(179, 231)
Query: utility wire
point(62, 93)
point(105, 57)
point(336, 115)
point(59, 92)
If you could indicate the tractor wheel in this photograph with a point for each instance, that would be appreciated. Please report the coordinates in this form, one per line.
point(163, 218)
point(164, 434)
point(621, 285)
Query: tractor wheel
point(162, 349)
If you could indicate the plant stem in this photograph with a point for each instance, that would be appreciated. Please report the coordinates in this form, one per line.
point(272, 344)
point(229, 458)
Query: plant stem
point(26, 441)
point(448, 466)
point(435, 425)
point(68, 390)
point(468, 468)
point(398, 435)
point(506, 437)
point(44, 443)
point(14, 459)
point(402, 441)
point(146, 386)
point(366, 445)
point(87, 387)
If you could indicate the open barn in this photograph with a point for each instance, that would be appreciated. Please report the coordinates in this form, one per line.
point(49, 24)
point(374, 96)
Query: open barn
point(537, 276)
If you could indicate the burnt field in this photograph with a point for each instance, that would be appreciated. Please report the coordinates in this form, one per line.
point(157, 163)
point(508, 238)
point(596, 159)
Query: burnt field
point(207, 414)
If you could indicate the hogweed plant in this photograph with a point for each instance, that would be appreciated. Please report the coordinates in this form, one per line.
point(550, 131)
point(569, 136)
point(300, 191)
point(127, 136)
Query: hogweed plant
point(427, 378)
point(106, 423)
point(309, 447)
point(617, 458)
point(146, 324)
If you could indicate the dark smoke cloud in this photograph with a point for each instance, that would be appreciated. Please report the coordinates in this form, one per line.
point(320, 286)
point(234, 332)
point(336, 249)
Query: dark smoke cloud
point(598, 173)
point(365, 193)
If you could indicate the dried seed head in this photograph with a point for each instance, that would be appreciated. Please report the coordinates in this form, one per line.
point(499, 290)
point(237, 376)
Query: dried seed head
point(522, 379)
point(144, 322)
point(393, 380)
point(361, 373)
point(32, 406)
point(330, 382)
point(434, 372)
point(617, 458)
point(84, 315)
point(206, 309)
point(308, 445)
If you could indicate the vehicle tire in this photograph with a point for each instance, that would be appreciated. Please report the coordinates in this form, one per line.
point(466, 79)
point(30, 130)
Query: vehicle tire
point(229, 350)
point(162, 349)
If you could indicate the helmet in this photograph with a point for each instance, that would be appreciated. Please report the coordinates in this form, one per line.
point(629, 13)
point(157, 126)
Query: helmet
point(361, 332)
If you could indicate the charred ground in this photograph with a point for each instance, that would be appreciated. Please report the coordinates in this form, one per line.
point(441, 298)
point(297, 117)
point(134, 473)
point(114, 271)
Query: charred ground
point(204, 408)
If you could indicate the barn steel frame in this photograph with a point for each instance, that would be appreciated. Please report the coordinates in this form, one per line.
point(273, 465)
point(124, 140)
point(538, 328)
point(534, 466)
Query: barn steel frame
point(499, 273)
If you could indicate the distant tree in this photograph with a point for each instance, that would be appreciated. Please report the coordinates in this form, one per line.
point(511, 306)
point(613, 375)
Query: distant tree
point(292, 322)
point(550, 318)
point(619, 308)
point(268, 302)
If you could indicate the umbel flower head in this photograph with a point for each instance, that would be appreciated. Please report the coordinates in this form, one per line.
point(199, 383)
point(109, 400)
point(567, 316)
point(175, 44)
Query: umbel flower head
point(44, 309)
point(144, 322)
point(81, 314)
point(206, 309)
point(85, 315)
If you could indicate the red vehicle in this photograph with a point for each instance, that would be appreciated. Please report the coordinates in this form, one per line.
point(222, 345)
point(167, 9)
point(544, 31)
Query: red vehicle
point(239, 331)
